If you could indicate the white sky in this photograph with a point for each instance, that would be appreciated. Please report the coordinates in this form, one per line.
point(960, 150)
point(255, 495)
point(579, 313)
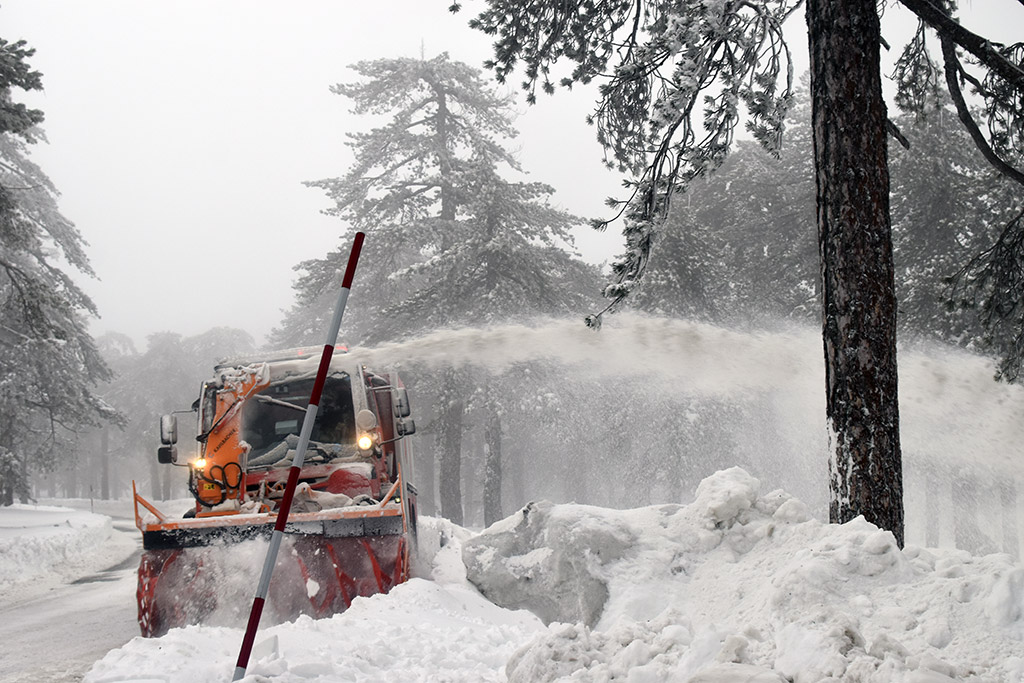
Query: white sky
point(180, 133)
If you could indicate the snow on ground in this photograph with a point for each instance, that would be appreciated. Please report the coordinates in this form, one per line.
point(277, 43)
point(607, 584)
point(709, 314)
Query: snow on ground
point(42, 544)
point(740, 585)
point(743, 585)
point(437, 629)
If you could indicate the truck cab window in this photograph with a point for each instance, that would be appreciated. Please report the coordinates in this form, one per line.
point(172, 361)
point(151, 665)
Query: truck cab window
point(267, 423)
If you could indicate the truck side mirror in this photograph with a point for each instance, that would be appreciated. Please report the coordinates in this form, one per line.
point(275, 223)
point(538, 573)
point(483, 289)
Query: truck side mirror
point(167, 455)
point(168, 430)
point(406, 426)
point(401, 399)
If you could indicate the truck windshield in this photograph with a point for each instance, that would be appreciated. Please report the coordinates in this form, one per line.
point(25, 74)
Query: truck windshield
point(267, 423)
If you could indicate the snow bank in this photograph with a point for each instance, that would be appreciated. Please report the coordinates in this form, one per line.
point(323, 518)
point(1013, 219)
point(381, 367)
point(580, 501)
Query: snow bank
point(424, 630)
point(740, 585)
point(547, 558)
point(415, 633)
point(744, 586)
point(40, 543)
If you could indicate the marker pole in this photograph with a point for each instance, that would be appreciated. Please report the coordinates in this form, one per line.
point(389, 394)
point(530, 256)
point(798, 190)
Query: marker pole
point(300, 455)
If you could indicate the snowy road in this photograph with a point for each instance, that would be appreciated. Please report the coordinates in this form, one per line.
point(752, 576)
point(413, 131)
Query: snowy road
point(54, 631)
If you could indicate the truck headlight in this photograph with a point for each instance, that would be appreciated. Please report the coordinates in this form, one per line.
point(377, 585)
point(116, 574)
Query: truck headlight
point(365, 442)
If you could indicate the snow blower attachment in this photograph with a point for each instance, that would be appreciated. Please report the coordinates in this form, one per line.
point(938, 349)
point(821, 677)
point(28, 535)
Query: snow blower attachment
point(353, 515)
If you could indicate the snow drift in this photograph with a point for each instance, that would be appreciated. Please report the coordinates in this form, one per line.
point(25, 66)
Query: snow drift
point(740, 585)
point(42, 542)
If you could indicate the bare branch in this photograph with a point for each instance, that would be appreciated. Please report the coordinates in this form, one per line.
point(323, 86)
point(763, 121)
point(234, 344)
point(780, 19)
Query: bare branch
point(894, 131)
point(948, 28)
point(953, 71)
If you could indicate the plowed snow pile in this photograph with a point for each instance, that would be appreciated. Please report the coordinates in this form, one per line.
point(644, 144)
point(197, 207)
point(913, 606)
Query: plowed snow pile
point(42, 544)
point(740, 585)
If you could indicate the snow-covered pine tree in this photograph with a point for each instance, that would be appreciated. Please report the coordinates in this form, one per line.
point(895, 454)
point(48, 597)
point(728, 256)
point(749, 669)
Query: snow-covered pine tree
point(665, 62)
point(49, 364)
point(450, 241)
point(404, 185)
point(947, 206)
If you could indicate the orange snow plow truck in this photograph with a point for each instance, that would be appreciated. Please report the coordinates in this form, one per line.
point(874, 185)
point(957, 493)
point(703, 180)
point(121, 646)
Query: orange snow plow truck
point(352, 522)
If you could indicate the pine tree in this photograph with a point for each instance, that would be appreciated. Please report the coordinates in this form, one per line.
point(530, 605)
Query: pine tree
point(945, 202)
point(405, 184)
point(450, 241)
point(49, 364)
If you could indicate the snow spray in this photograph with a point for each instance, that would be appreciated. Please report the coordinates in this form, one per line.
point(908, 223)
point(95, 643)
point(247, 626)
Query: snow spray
point(954, 416)
point(949, 403)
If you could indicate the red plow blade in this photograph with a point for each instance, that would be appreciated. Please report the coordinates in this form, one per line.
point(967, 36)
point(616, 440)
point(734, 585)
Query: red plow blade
point(315, 575)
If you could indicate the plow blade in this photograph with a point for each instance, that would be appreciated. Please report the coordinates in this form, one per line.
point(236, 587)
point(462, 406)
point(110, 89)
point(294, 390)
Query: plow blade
point(203, 570)
point(315, 575)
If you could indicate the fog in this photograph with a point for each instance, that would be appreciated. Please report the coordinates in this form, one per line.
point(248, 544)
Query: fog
point(180, 133)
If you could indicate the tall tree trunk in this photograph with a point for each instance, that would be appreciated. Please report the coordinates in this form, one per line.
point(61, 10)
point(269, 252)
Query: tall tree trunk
point(935, 498)
point(24, 489)
point(965, 511)
point(855, 243)
point(515, 476)
point(7, 478)
point(444, 159)
point(492, 467)
point(450, 457)
point(1008, 502)
point(105, 463)
point(425, 482)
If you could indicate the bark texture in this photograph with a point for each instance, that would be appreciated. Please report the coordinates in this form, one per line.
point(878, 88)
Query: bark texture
point(450, 456)
point(492, 468)
point(855, 241)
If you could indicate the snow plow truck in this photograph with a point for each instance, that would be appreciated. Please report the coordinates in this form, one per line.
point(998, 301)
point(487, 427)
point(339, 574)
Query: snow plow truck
point(352, 522)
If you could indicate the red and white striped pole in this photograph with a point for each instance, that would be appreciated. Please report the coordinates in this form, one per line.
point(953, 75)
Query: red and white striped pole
point(300, 454)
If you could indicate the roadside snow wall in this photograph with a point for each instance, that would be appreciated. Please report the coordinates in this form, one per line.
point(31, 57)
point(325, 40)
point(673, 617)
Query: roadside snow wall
point(741, 585)
point(40, 542)
point(549, 559)
point(555, 560)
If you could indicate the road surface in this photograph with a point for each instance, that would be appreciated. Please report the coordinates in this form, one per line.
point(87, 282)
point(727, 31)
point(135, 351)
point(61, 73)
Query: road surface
point(53, 633)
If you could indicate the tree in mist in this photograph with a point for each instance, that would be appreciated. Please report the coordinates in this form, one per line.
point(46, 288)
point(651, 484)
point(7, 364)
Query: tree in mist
point(664, 59)
point(49, 364)
point(761, 206)
point(947, 206)
point(739, 246)
point(405, 186)
point(160, 380)
point(682, 277)
point(450, 241)
point(991, 283)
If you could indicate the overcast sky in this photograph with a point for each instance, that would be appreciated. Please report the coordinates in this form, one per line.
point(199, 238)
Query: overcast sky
point(180, 132)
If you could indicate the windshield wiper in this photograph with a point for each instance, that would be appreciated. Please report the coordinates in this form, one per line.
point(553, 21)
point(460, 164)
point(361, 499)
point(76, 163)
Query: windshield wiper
point(276, 402)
